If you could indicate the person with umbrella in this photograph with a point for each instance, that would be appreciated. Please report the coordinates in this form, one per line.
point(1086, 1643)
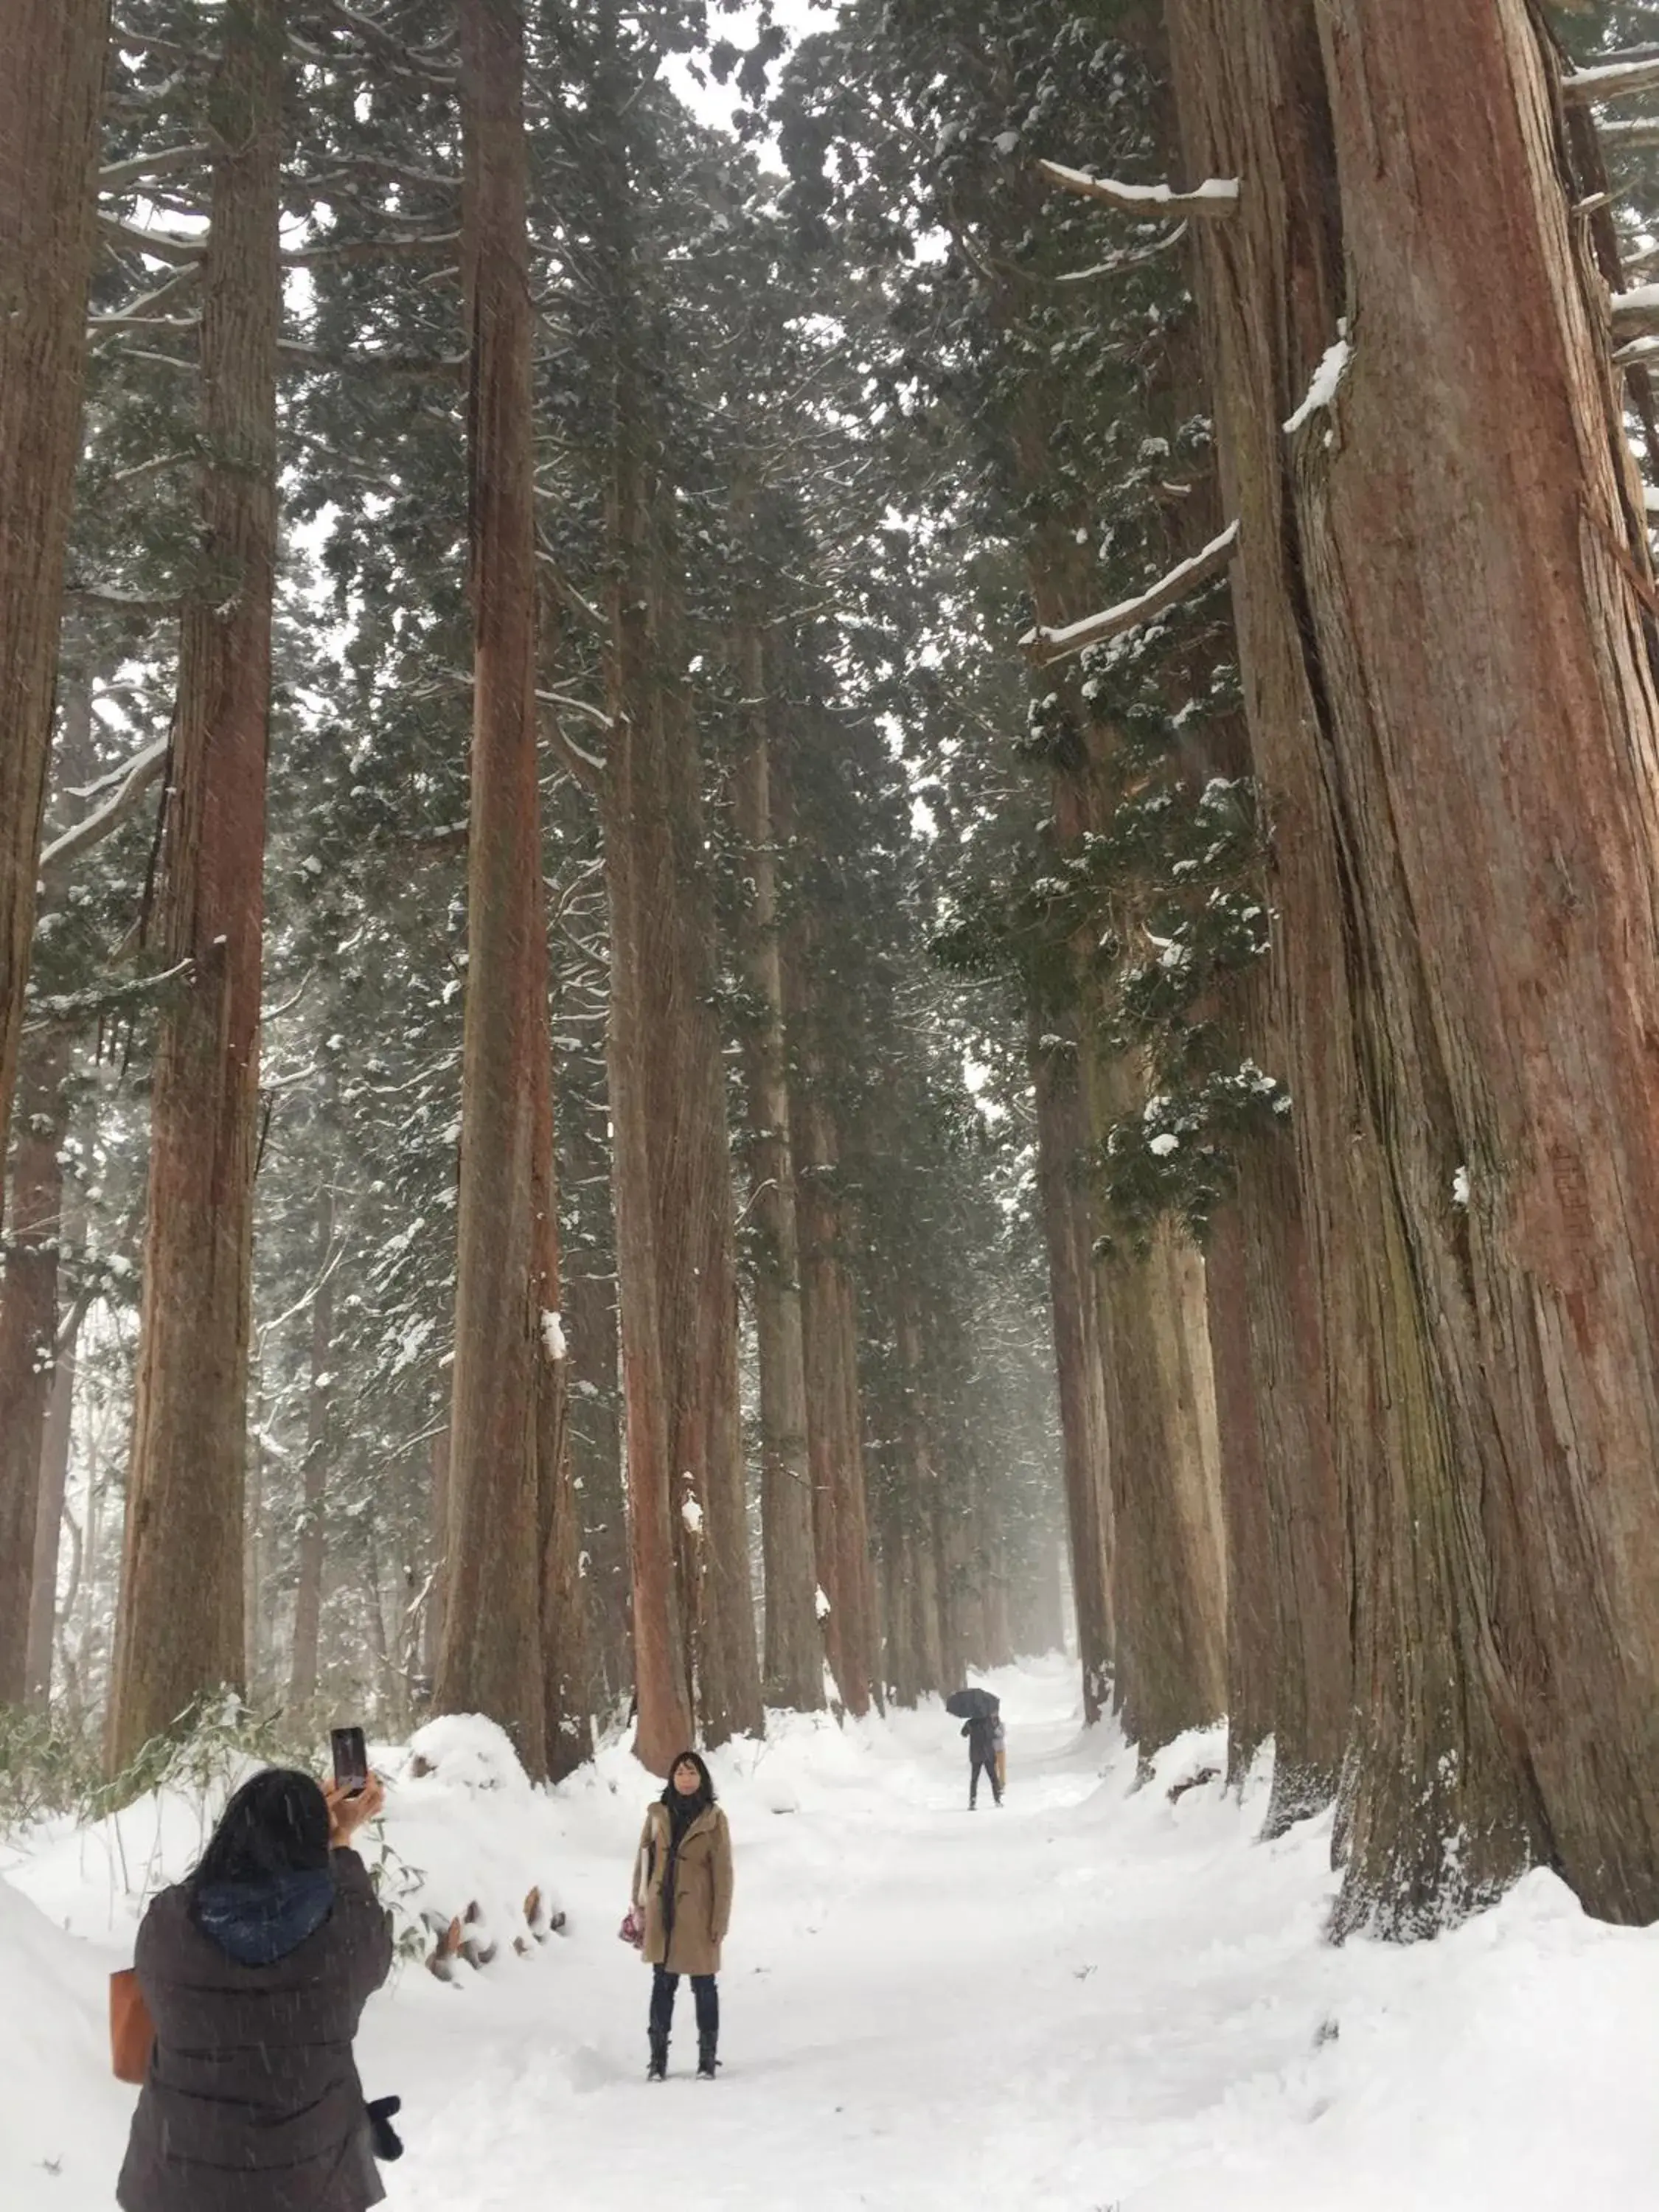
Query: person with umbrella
point(980, 1715)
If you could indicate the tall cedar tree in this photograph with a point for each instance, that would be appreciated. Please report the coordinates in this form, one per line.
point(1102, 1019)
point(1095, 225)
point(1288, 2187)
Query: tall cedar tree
point(49, 141)
point(178, 1632)
point(794, 1643)
point(509, 1583)
point(1481, 1158)
point(28, 1336)
point(694, 1639)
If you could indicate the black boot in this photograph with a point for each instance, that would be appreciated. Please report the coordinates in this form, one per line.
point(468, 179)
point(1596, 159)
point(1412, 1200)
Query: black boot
point(658, 2069)
point(706, 2061)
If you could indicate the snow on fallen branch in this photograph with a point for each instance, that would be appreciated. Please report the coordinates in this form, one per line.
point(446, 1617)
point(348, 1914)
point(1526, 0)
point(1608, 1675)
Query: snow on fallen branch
point(1049, 645)
point(1215, 197)
point(1614, 80)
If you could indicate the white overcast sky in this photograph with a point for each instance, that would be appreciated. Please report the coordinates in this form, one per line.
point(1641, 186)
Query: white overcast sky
point(714, 103)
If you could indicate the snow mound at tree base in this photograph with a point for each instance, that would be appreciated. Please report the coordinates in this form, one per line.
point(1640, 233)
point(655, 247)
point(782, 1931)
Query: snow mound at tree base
point(63, 2115)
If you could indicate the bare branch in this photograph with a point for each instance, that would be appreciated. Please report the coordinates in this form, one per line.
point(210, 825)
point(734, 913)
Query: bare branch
point(448, 367)
point(1634, 312)
point(568, 702)
point(1045, 645)
point(1116, 263)
point(1614, 80)
point(121, 174)
point(111, 999)
point(103, 325)
point(158, 245)
point(125, 603)
point(1617, 138)
point(369, 249)
point(1214, 197)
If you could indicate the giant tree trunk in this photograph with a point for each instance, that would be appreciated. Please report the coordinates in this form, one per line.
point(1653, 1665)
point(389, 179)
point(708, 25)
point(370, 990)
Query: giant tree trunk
point(590, 1306)
point(1491, 903)
point(313, 1525)
point(511, 1645)
point(834, 1424)
point(1497, 793)
point(794, 1646)
point(28, 1336)
point(55, 1448)
point(178, 1631)
point(50, 92)
point(1062, 1140)
point(694, 1629)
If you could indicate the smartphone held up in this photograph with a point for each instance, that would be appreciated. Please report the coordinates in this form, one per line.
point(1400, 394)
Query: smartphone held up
point(350, 1760)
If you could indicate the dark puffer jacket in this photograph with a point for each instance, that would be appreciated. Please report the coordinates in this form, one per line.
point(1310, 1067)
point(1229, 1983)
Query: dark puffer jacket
point(252, 2102)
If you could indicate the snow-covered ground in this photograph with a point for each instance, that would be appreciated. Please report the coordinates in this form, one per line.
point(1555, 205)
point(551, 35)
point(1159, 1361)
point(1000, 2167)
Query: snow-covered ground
point(1095, 1998)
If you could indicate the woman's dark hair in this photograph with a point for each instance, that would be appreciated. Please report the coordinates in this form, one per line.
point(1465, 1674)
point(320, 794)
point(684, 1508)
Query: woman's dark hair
point(705, 1780)
point(276, 1823)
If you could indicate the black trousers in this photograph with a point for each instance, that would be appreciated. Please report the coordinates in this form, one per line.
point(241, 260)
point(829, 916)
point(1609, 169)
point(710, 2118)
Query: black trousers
point(663, 1987)
point(989, 1767)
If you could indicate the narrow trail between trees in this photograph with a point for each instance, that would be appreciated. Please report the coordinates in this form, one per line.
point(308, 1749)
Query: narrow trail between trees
point(1054, 2003)
point(1105, 1997)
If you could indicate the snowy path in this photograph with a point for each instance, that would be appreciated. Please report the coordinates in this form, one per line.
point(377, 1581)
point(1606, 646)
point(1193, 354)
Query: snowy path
point(1092, 2001)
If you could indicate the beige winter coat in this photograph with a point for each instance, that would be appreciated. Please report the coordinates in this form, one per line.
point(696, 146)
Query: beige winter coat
point(702, 1892)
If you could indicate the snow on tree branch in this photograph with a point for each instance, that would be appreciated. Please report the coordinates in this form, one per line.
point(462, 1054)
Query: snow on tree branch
point(139, 774)
point(1636, 130)
point(1614, 80)
point(1215, 197)
point(118, 175)
point(154, 245)
point(1635, 311)
point(1135, 257)
point(1049, 645)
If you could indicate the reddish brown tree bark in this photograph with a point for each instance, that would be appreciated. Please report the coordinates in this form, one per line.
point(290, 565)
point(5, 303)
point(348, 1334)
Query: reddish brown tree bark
point(1062, 1142)
point(314, 1524)
point(49, 99)
point(55, 1452)
point(29, 1337)
point(178, 1631)
point(694, 1629)
point(1491, 893)
point(793, 1661)
point(835, 1418)
point(511, 1643)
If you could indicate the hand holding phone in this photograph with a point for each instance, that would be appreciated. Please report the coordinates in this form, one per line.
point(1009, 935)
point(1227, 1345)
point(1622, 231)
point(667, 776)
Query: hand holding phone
point(350, 1760)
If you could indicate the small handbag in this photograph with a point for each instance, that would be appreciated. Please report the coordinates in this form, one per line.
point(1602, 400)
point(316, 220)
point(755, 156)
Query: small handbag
point(633, 1928)
point(131, 2031)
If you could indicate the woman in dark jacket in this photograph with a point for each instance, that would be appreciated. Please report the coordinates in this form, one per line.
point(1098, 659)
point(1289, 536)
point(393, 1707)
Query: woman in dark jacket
point(255, 1971)
point(683, 1890)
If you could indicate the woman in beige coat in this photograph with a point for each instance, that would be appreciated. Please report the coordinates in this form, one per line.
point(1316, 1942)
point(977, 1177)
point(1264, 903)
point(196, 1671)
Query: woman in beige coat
point(683, 1891)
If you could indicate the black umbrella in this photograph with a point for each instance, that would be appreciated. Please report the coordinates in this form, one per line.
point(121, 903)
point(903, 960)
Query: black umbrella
point(972, 1704)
